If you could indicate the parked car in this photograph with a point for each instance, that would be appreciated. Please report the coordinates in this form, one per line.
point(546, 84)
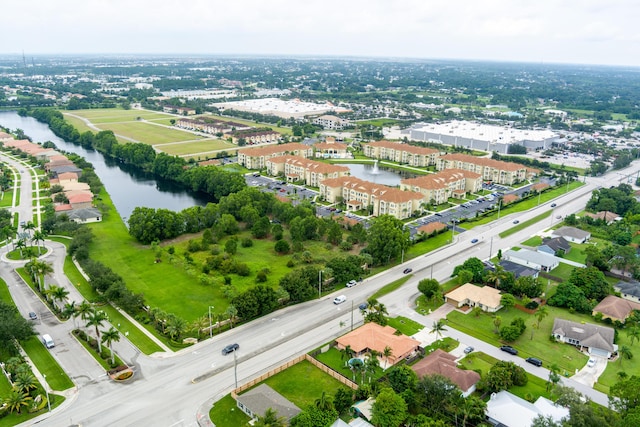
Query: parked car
point(509, 349)
point(534, 361)
point(407, 270)
point(474, 240)
point(48, 341)
point(591, 363)
point(351, 283)
point(33, 315)
point(363, 306)
point(339, 299)
point(230, 349)
point(468, 350)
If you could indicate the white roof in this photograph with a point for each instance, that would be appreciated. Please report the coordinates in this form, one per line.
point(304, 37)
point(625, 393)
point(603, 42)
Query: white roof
point(483, 132)
point(513, 411)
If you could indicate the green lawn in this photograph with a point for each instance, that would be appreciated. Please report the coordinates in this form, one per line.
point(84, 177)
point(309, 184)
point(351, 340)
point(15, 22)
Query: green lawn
point(387, 289)
point(206, 145)
point(567, 357)
point(16, 419)
point(335, 359)
point(149, 133)
point(406, 326)
point(110, 115)
point(225, 413)
point(46, 364)
point(533, 241)
point(525, 224)
point(630, 366)
point(7, 199)
point(303, 383)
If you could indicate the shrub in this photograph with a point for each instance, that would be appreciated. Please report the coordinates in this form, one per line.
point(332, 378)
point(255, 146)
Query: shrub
point(532, 305)
point(247, 242)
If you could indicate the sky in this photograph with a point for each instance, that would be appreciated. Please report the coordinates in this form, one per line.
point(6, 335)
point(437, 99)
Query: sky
point(602, 32)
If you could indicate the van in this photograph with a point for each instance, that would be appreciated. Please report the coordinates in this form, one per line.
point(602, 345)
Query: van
point(48, 341)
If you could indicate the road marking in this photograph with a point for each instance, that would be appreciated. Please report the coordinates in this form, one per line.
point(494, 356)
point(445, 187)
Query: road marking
point(177, 422)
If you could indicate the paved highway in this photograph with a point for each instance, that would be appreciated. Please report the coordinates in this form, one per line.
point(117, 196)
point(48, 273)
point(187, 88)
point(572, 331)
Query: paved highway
point(168, 390)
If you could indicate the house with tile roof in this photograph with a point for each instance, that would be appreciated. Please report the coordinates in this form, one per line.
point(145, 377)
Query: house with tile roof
point(256, 157)
point(359, 194)
point(372, 336)
point(497, 171)
point(401, 153)
point(440, 186)
point(595, 339)
point(572, 234)
point(485, 297)
point(615, 308)
point(439, 362)
point(300, 169)
point(256, 401)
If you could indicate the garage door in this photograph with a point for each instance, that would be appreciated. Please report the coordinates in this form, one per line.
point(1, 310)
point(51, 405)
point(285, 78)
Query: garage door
point(598, 352)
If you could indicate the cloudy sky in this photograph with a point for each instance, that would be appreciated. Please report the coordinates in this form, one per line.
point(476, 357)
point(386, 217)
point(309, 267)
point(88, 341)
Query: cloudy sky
point(563, 31)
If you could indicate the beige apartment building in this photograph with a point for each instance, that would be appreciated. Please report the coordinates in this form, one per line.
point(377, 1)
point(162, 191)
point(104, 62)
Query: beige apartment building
point(256, 158)
point(401, 153)
point(330, 149)
point(358, 194)
point(439, 187)
point(497, 171)
point(297, 169)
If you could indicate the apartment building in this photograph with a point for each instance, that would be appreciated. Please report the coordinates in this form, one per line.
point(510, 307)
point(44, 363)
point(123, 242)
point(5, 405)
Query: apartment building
point(359, 194)
point(402, 153)
point(439, 187)
point(497, 171)
point(256, 157)
point(211, 126)
point(331, 122)
point(310, 171)
point(330, 149)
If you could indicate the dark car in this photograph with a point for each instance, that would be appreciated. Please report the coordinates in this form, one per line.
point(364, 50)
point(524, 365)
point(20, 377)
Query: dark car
point(515, 221)
point(553, 205)
point(33, 315)
point(363, 306)
point(230, 349)
point(474, 240)
point(509, 349)
point(468, 350)
point(534, 361)
point(407, 270)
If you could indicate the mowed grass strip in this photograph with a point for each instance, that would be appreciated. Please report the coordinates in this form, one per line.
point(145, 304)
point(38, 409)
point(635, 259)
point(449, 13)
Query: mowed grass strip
point(148, 133)
point(525, 224)
point(46, 364)
point(107, 115)
point(204, 146)
point(225, 413)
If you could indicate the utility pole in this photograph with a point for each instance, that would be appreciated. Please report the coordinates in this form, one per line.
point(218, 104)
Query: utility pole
point(352, 315)
point(235, 367)
point(210, 325)
point(490, 248)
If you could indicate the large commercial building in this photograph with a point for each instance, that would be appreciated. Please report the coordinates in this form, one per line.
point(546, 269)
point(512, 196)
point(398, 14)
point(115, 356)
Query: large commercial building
point(476, 136)
point(401, 153)
point(276, 107)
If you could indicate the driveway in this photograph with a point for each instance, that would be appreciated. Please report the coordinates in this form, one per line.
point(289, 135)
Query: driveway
point(589, 375)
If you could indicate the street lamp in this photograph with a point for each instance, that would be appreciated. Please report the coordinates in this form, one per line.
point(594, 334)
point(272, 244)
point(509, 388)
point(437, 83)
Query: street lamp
point(46, 390)
point(210, 325)
point(320, 283)
point(453, 229)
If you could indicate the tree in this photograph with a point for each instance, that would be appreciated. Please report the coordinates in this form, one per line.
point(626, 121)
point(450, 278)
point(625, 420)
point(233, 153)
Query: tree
point(313, 416)
point(438, 328)
point(38, 237)
point(624, 395)
point(554, 377)
point(624, 352)
point(496, 276)
point(109, 337)
point(402, 378)
point(12, 327)
point(25, 381)
point(16, 400)
point(389, 409)
point(387, 353)
point(507, 301)
point(70, 311)
point(231, 313)
point(342, 400)
point(497, 321)
point(633, 334)
point(473, 265)
point(503, 375)
point(58, 293)
point(429, 287)
point(96, 319)
point(386, 238)
point(175, 326)
point(472, 410)
point(270, 419)
point(541, 313)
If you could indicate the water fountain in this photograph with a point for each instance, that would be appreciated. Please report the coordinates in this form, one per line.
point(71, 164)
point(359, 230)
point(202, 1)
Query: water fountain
point(375, 170)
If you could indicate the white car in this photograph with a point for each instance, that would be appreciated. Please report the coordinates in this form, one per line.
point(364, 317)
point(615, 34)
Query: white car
point(339, 299)
point(351, 283)
point(591, 363)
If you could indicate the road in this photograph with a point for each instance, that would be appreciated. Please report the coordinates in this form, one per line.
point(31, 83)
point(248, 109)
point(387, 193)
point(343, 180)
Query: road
point(168, 390)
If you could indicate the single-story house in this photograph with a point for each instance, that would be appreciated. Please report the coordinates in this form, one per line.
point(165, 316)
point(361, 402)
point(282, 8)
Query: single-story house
point(442, 363)
point(372, 336)
point(538, 260)
point(596, 339)
point(615, 308)
point(519, 270)
point(572, 234)
point(485, 297)
point(84, 215)
point(556, 246)
point(628, 290)
point(606, 216)
point(506, 409)
point(363, 409)
point(256, 401)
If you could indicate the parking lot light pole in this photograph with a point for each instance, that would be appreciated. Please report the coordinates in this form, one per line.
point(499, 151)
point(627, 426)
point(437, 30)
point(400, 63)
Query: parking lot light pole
point(210, 324)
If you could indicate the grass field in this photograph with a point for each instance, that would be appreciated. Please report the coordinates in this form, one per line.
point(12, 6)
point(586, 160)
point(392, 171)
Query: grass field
point(148, 133)
point(225, 413)
point(203, 146)
point(46, 364)
point(525, 224)
point(405, 325)
point(110, 115)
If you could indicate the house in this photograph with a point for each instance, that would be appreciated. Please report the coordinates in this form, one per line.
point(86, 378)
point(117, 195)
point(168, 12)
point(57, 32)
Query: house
point(256, 401)
point(538, 260)
point(556, 246)
point(442, 363)
point(84, 215)
point(596, 339)
point(628, 290)
point(615, 308)
point(80, 200)
point(485, 297)
point(372, 336)
point(507, 410)
point(362, 409)
point(572, 234)
point(519, 270)
point(606, 216)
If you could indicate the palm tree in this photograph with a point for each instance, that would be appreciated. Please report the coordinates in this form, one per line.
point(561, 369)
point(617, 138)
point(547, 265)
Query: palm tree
point(497, 321)
point(231, 313)
point(84, 310)
point(387, 353)
point(324, 402)
point(349, 352)
point(554, 377)
point(199, 324)
point(96, 319)
point(16, 399)
point(497, 276)
point(633, 334)
point(29, 226)
point(58, 293)
point(175, 326)
point(25, 382)
point(69, 311)
point(20, 244)
point(38, 236)
point(541, 313)
point(624, 352)
point(372, 363)
point(438, 328)
point(108, 337)
point(270, 419)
